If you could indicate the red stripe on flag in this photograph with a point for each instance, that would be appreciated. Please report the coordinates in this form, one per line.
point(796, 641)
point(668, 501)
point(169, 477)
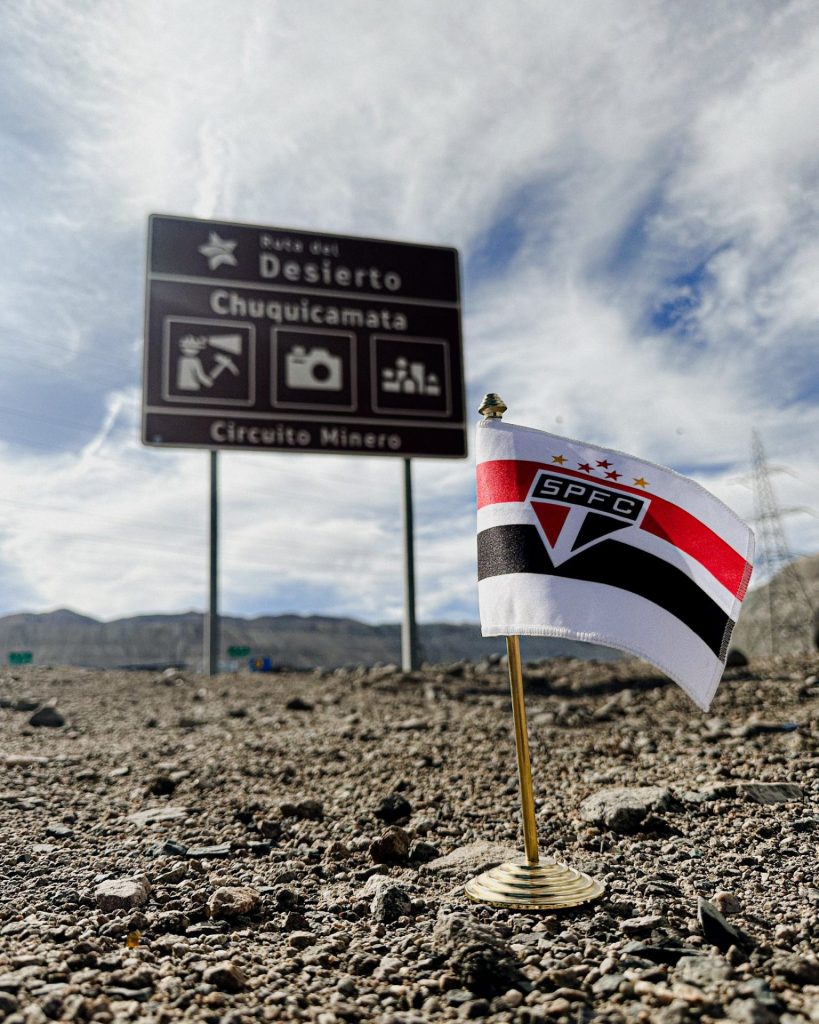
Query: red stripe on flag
point(506, 480)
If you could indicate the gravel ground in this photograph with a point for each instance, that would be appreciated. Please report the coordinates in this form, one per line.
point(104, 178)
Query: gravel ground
point(294, 847)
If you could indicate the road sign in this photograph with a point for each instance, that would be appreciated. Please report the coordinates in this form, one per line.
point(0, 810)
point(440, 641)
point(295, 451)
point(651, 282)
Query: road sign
point(20, 657)
point(268, 339)
point(238, 652)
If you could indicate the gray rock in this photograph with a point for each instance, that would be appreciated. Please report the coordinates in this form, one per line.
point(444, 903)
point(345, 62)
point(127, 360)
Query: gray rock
point(641, 925)
point(802, 970)
point(473, 1009)
point(390, 902)
point(22, 760)
point(708, 794)
point(393, 809)
point(759, 990)
point(47, 717)
point(477, 954)
point(473, 859)
point(27, 704)
point(120, 992)
point(225, 976)
point(161, 785)
point(771, 792)
point(703, 971)
point(305, 810)
point(122, 894)
point(608, 985)
point(750, 1011)
point(8, 1004)
point(717, 930)
point(391, 847)
point(298, 704)
point(158, 814)
point(422, 852)
point(623, 808)
point(662, 953)
point(233, 901)
point(208, 852)
point(726, 902)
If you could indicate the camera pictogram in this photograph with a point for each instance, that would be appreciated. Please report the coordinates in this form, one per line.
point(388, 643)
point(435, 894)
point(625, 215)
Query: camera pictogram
point(313, 369)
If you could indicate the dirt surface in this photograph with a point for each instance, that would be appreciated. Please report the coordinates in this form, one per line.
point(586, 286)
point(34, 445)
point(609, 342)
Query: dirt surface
point(295, 847)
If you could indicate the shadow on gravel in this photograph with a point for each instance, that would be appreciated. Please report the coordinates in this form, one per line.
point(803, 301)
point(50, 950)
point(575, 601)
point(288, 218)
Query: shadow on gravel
point(603, 688)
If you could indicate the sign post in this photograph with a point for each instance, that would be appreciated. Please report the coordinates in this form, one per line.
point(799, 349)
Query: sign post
point(272, 339)
point(211, 631)
point(409, 630)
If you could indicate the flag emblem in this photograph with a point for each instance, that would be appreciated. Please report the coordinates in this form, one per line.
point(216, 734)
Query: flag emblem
point(573, 514)
point(582, 542)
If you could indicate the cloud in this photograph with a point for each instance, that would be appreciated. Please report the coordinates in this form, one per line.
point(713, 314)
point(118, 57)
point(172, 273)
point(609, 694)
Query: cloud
point(632, 188)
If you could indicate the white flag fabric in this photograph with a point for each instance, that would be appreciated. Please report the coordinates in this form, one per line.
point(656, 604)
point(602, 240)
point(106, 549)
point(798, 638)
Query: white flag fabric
point(590, 544)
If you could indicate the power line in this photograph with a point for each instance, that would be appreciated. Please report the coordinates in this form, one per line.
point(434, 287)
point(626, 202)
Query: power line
point(790, 611)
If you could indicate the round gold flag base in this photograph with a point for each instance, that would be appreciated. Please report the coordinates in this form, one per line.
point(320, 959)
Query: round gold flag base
point(549, 885)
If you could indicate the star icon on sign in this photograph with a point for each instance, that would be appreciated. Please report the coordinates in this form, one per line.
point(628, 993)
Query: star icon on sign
point(585, 467)
point(218, 251)
point(559, 459)
point(604, 463)
point(613, 475)
point(640, 482)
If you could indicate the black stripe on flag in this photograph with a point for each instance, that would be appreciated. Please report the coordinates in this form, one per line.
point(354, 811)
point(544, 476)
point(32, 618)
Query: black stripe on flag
point(518, 548)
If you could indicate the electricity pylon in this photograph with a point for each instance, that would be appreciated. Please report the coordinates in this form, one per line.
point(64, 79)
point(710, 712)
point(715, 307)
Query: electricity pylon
point(790, 612)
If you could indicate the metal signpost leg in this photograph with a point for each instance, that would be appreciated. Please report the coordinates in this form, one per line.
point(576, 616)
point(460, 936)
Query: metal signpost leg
point(211, 637)
point(409, 633)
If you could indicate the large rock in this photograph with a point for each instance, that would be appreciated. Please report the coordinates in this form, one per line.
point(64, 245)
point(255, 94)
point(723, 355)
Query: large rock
point(122, 893)
point(623, 808)
point(472, 859)
point(391, 847)
point(393, 809)
point(771, 792)
point(232, 901)
point(225, 976)
point(718, 931)
point(47, 717)
point(390, 902)
point(151, 815)
point(476, 954)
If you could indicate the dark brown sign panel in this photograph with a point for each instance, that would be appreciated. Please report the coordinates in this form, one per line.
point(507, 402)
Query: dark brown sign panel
point(267, 339)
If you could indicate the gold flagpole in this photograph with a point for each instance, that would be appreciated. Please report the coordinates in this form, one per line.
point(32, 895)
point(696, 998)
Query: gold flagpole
point(529, 884)
point(527, 799)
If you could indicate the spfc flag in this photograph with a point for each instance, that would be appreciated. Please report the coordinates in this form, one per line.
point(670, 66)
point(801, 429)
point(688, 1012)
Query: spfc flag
point(591, 544)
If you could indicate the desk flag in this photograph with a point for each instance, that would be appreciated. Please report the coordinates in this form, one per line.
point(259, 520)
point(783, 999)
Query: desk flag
point(591, 544)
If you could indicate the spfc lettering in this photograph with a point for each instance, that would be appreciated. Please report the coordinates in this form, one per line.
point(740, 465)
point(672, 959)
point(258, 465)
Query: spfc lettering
point(552, 487)
point(574, 514)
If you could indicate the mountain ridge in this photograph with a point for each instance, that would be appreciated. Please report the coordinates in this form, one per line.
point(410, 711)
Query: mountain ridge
point(292, 640)
point(65, 637)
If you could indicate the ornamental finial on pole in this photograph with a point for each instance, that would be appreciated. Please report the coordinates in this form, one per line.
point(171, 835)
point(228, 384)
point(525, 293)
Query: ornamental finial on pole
point(492, 407)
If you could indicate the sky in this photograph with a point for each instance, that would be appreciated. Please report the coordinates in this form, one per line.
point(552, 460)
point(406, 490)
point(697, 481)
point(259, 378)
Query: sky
point(632, 188)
